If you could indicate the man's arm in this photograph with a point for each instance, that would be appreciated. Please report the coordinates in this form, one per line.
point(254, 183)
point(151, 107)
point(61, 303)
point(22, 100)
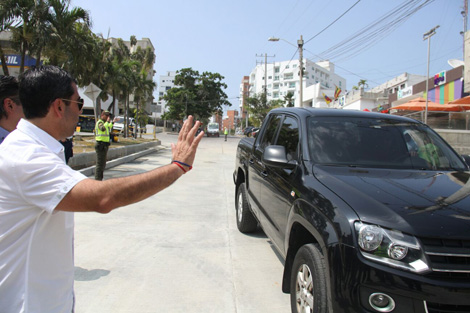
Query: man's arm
point(105, 196)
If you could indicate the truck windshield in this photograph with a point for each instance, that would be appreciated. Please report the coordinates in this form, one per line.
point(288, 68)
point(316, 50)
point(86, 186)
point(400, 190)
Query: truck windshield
point(379, 143)
point(213, 126)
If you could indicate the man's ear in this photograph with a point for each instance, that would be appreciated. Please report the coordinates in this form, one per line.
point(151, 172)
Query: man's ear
point(57, 107)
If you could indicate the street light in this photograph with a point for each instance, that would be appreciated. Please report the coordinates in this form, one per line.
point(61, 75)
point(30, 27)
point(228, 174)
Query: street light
point(428, 36)
point(300, 45)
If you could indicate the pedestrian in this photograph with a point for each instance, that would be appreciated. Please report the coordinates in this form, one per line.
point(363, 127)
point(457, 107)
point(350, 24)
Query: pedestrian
point(225, 133)
point(173, 127)
point(102, 130)
point(11, 110)
point(39, 193)
point(68, 148)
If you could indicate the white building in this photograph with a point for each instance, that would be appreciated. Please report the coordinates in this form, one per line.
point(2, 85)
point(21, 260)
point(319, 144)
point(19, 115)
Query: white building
point(377, 98)
point(166, 83)
point(283, 77)
point(143, 44)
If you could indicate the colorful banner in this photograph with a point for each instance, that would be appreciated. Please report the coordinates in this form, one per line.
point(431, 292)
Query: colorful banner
point(446, 93)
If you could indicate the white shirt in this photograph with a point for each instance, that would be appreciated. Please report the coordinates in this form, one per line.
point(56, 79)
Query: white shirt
point(36, 242)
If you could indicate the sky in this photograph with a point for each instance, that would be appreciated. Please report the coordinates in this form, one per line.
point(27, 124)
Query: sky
point(231, 37)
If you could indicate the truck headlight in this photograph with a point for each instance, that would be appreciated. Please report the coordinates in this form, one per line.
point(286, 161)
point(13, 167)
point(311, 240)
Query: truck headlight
point(391, 247)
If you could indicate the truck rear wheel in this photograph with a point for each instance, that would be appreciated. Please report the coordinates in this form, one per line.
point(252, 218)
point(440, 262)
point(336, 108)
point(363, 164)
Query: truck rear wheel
point(308, 281)
point(246, 222)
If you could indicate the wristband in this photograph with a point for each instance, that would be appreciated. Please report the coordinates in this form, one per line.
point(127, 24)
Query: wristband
point(180, 165)
point(182, 168)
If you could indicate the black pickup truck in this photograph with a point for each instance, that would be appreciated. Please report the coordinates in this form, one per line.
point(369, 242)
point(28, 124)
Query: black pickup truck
point(370, 211)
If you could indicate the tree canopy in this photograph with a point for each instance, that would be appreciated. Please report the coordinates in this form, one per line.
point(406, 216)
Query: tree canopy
point(200, 95)
point(259, 107)
point(57, 34)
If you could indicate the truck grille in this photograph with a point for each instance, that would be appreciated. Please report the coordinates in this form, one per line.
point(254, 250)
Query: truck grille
point(446, 308)
point(450, 259)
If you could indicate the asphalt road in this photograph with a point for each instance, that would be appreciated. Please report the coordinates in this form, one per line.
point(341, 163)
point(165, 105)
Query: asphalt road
point(180, 250)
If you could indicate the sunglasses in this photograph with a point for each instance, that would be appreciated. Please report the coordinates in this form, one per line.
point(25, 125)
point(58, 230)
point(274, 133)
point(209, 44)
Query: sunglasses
point(79, 102)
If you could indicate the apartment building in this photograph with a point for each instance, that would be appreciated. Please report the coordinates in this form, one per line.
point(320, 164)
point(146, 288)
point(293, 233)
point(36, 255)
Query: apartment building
point(280, 78)
point(143, 44)
point(166, 82)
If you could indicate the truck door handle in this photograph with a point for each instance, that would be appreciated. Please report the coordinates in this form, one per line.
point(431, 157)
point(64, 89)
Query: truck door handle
point(251, 161)
point(264, 174)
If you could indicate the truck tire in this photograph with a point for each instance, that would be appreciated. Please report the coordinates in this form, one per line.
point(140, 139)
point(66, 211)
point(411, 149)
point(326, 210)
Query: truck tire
point(308, 281)
point(246, 222)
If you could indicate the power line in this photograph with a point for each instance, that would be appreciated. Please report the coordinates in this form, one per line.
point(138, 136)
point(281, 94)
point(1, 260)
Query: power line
point(334, 21)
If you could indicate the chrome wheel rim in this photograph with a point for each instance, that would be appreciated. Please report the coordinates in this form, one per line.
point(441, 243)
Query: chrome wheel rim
point(240, 207)
point(304, 290)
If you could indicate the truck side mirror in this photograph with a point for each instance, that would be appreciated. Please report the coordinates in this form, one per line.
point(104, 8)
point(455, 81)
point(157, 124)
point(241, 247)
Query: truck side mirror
point(276, 156)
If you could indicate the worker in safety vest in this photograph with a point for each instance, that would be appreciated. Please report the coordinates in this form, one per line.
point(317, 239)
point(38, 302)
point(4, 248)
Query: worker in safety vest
point(102, 130)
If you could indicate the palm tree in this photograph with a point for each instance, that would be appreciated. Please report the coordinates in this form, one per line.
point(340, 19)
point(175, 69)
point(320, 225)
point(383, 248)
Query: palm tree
point(289, 99)
point(64, 46)
point(22, 12)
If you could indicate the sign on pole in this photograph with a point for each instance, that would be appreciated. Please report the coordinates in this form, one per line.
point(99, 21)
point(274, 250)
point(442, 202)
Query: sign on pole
point(92, 91)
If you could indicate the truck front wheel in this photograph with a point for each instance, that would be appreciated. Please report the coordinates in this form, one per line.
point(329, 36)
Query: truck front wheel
point(246, 222)
point(308, 281)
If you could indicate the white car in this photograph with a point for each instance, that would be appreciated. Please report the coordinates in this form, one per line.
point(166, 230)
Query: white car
point(118, 126)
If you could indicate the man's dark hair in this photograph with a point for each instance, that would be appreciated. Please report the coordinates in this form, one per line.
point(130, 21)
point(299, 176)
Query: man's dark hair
point(8, 88)
point(40, 86)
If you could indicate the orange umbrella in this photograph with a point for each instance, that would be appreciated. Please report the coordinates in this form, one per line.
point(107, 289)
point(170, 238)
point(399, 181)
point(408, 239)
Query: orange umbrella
point(419, 104)
point(465, 102)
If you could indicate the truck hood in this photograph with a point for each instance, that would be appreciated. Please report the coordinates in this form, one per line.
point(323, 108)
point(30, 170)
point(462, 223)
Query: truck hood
point(421, 203)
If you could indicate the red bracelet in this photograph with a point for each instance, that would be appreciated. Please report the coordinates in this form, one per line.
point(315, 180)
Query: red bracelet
point(181, 167)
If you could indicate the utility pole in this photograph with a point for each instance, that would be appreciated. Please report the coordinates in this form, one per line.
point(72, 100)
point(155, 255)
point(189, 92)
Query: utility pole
point(428, 36)
point(465, 17)
point(300, 43)
point(266, 73)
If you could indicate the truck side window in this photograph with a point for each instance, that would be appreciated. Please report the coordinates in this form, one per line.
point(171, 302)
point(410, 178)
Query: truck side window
point(270, 132)
point(289, 137)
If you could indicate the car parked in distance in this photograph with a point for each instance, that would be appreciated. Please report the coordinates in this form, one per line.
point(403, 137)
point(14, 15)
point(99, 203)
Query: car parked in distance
point(370, 211)
point(213, 130)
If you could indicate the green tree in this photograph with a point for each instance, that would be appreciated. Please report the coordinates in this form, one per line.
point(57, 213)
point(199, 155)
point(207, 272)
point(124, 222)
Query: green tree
point(289, 99)
point(258, 108)
point(200, 95)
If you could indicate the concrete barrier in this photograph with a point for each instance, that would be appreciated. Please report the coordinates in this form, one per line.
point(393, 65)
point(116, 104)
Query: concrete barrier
point(87, 159)
point(458, 139)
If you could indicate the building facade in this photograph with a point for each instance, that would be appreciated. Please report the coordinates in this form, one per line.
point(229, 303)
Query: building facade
point(244, 94)
point(231, 120)
point(166, 82)
point(143, 44)
point(282, 78)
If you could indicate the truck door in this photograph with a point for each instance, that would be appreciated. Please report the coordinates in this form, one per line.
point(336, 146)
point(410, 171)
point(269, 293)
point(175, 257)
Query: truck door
point(256, 168)
point(279, 183)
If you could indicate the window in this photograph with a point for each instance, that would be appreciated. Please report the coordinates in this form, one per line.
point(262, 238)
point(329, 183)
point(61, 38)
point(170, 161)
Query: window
point(270, 77)
point(276, 86)
point(276, 69)
point(276, 77)
point(270, 132)
point(289, 137)
point(275, 95)
point(287, 66)
point(292, 85)
point(167, 88)
point(294, 66)
point(288, 76)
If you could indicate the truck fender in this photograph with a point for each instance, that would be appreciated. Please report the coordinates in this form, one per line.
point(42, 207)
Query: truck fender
point(307, 224)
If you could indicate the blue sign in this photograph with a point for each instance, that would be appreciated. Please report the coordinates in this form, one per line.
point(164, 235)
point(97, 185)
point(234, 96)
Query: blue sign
point(15, 60)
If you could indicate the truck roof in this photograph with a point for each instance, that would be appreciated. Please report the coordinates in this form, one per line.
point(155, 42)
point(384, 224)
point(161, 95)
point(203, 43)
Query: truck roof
point(307, 112)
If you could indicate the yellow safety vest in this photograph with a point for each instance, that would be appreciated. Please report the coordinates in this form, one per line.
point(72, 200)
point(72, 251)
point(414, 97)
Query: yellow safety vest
point(102, 135)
